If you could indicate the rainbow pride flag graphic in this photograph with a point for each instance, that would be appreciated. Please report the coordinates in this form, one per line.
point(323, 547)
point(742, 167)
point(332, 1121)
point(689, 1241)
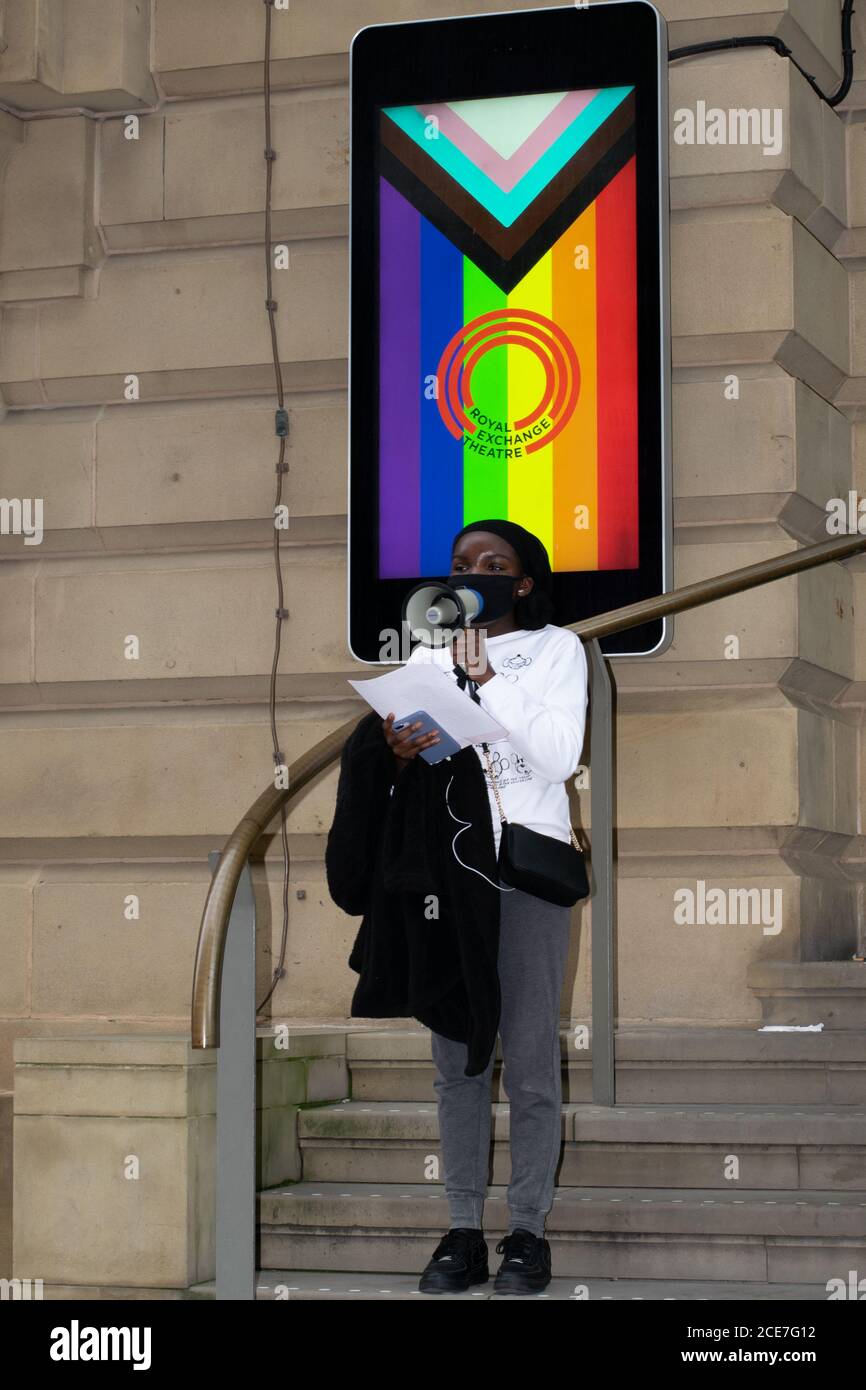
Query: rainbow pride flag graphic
point(508, 327)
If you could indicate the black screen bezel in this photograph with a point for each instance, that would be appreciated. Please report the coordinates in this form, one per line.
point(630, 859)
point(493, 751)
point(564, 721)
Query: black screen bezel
point(494, 55)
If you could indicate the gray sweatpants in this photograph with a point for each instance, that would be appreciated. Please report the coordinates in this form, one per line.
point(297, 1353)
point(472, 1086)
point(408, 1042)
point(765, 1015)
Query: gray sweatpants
point(533, 949)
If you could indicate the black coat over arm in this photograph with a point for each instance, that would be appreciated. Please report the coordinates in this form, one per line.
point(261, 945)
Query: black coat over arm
point(428, 944)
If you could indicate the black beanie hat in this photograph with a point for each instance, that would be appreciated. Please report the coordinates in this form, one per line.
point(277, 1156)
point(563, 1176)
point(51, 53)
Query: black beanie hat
point(536, 608)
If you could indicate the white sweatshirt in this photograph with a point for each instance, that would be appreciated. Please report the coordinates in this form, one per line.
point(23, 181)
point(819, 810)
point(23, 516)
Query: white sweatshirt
point(539, 694)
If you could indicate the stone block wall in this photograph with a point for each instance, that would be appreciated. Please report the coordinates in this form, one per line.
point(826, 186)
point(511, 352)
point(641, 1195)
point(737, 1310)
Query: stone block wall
point(145, 257)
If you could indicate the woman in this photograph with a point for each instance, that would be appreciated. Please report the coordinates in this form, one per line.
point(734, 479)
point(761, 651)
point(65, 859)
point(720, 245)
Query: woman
point(531, 676)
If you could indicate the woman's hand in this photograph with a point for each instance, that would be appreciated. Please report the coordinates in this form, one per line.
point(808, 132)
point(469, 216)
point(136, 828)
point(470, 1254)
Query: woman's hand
point(404, 743)
point(469, 650)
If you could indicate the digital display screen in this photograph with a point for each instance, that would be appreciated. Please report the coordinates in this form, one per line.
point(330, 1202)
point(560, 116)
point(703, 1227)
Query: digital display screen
point(508, 326)
point(510, 337)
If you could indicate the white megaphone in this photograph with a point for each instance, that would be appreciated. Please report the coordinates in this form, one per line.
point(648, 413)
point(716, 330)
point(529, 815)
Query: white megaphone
point(434, 610)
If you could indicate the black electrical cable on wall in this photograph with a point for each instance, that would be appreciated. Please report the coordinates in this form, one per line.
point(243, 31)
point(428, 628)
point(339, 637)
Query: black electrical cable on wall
point(772, 41)
point(282, 431)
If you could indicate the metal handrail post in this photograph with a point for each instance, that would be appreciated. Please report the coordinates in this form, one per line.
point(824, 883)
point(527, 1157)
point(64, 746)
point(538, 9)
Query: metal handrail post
point(236, 1101)
point(602, 792)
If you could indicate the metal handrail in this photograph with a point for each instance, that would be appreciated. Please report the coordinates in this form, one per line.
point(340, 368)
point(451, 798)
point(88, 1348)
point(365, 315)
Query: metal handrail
point(217, 909)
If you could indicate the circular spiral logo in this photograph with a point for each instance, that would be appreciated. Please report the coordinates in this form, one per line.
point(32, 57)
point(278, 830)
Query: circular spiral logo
point(510, 328)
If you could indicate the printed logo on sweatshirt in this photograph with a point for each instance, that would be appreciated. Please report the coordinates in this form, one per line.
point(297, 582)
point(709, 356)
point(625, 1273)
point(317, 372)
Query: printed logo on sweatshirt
point(508, 768)
point(517, 661)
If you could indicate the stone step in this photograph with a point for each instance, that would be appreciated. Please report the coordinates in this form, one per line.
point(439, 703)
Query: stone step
point(805, 991)
point(798, 1237)
point(321, 1285)
point(686, 1146)
point(653, 1065)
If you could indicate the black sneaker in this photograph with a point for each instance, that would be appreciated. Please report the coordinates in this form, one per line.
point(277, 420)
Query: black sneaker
point(459, 1260)
point(526, 1267)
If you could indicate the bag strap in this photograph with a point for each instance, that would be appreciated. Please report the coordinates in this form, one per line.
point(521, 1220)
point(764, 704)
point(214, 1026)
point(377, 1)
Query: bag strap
point(576, 843)
point(493, 783)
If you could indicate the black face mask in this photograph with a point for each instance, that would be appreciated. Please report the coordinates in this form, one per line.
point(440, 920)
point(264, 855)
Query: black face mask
point(496, 590)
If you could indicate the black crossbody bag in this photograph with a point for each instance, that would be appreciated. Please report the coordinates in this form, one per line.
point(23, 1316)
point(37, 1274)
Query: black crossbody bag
point(539, 864)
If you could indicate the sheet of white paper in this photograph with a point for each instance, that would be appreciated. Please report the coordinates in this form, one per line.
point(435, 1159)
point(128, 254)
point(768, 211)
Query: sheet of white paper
point(791, 1028)
point(426, 687)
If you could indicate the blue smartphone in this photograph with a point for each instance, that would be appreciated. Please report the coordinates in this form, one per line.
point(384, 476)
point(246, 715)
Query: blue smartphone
point(437, 751)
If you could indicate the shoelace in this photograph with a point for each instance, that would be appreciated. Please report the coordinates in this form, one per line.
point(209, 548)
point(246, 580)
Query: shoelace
point(517, 1246)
